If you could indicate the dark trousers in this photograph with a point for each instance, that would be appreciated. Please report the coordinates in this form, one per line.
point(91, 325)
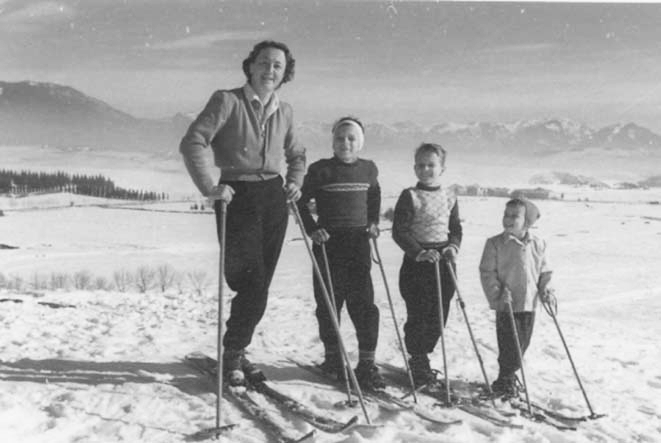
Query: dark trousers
point(256, 225)
point(417, 284)
point(349, 260)
point(508, 357)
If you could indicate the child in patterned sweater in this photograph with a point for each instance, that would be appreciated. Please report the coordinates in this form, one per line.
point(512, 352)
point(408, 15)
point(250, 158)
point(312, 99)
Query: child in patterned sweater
point(427, 227)
point(348, 201)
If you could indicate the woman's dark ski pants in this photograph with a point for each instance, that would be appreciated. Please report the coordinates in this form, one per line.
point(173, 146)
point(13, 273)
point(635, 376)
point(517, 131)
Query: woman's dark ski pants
point(256, 225)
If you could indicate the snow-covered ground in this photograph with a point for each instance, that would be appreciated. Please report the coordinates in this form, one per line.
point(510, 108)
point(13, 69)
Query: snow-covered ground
point(106, 366)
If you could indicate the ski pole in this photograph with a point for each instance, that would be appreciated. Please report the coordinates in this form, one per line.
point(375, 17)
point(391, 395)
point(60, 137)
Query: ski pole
point(550, 311)
point(453, 276)
point(216, 431)
point(334, 312)
point(329, 306)
point(402, 345)
point(520, 354)
point(442, 321)
point(221, 278)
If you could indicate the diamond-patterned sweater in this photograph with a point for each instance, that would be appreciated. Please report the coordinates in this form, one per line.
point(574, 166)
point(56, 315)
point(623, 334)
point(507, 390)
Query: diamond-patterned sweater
point(426, 217)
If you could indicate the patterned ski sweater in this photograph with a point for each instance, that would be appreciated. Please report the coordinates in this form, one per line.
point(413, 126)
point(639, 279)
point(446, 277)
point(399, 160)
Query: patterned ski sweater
point(347, 195)
point(426, 217)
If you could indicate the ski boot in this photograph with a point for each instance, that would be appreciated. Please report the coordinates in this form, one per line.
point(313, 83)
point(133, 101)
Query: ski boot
point(368, 376)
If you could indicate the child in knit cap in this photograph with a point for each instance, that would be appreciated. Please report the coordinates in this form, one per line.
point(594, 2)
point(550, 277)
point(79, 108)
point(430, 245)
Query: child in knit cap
point(348, 201)
point(514, 272)
point(427, 227)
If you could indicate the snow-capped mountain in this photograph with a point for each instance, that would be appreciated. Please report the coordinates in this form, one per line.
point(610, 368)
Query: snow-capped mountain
point(531, 136)
point(46, 113)
point(50, 114)
point(630, 134)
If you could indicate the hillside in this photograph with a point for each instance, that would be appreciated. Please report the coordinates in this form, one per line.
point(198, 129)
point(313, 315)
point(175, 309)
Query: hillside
point(33, 113)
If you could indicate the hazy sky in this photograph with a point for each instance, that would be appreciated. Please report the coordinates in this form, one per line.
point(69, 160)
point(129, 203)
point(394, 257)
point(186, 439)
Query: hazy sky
point(598, 63)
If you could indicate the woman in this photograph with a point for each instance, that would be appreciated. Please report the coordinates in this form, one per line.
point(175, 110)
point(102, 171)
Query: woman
point(251, 134)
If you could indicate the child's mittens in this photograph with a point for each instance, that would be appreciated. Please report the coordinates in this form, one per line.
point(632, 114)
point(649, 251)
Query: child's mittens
point(450, 253)
point(373, 231)
point(547, 295)
point(429, 255)
point(320, 236)
point(505, 298)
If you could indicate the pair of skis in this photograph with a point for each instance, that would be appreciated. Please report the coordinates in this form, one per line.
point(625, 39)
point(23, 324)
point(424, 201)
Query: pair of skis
point(486, 407)
point(383, 399)
point(397, 378)
point(242, 396)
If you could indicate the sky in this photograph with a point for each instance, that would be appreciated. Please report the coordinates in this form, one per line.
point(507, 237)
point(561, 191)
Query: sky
point(387, 61)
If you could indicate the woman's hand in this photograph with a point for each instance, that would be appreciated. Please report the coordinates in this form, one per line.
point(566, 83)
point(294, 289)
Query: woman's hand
point(220, 192)
point(292, 192)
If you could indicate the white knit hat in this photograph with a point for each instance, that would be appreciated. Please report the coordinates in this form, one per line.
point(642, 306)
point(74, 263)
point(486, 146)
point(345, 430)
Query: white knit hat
point(355, 123)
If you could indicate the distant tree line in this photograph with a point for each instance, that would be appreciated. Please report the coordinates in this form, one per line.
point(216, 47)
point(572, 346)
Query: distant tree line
point(24, 182)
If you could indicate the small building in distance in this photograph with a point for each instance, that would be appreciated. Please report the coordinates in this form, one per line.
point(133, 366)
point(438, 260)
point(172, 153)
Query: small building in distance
point(533, 194)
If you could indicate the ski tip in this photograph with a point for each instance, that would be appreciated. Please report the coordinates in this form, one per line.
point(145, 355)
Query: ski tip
point(306, 437)
point(351, 423)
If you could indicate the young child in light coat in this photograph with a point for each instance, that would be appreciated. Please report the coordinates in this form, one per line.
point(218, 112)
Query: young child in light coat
point(515, 273)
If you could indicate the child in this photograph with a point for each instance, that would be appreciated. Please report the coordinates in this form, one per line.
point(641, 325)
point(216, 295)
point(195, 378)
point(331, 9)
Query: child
point(348, 200)
point(426, 226)
point(514, 271)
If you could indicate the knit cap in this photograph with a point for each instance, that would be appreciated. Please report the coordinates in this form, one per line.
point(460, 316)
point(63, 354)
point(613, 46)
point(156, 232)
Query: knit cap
point(532, 212)
point(356, 124)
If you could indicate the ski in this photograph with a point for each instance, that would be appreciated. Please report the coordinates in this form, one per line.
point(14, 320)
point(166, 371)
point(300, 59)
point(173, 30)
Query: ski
point(540, 413)
point(383, 398)
point(321, 422)
point(240, 396)
point(395, 376)
point(540, 416)
point(520, 407)
point(560, 416)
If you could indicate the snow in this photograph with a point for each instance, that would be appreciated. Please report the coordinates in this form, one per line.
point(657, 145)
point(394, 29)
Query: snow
point(106, 367)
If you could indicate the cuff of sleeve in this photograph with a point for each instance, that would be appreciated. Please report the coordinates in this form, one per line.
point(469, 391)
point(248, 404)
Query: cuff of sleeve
point(206, 187)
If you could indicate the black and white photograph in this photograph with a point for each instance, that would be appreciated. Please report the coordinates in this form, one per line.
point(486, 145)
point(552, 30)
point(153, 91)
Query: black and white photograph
point(331, 221)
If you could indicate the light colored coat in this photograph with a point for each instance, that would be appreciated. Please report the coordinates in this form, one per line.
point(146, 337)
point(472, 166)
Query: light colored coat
point(515, 266)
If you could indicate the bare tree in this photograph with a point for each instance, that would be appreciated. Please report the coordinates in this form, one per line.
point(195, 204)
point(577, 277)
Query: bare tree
point(166, 277)
point(82, 280)
point(122, 279)
point(144, 279)
point(38, 282)
point(59, 280)
point(15, 283)
point(102, 284)
point(199, 281)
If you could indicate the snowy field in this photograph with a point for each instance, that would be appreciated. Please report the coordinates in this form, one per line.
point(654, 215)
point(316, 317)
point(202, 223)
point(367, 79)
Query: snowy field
point(106, 365)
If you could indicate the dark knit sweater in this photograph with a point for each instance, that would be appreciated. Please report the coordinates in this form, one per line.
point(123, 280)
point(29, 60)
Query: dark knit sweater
point(347, 195)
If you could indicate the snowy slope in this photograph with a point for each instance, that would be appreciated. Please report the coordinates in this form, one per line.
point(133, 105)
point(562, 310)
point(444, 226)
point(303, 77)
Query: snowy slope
point(107, 367)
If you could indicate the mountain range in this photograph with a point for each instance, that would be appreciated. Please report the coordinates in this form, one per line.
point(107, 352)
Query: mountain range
point(34, 113)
